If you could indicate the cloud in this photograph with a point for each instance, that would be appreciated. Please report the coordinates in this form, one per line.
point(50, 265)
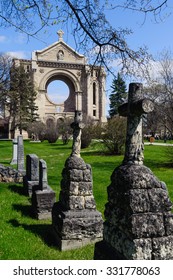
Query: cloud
point(19, 54)
point(2, 38)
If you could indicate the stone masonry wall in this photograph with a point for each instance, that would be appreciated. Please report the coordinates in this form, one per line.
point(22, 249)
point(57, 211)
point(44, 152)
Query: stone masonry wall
point(75, 219)
point(10, 175)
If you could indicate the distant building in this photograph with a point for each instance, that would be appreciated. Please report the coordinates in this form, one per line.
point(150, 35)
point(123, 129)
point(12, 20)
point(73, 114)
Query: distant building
point(86, 83)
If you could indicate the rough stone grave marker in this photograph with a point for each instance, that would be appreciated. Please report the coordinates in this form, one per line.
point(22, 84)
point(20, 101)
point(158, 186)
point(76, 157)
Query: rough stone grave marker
point(139, 223)
point(14, 159)
point(75, 220)
point(31, 179)
point(20, 155)
point(43, 198)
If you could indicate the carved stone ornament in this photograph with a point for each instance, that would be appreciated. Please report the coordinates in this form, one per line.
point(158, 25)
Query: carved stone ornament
point(60, 55)
point(41, 70)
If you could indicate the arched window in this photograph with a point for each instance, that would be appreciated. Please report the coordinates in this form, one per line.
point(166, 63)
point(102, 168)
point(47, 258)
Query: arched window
point(50, 122)
point(94, 113)
point(94, 93)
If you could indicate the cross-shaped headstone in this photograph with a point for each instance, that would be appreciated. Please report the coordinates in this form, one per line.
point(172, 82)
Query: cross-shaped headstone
point(77, 126)
point(133, 110)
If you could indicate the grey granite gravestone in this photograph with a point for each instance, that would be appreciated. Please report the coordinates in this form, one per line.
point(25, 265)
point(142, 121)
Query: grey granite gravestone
point(75, 220)
point(14, 159)
point(43, 198)
point(43, 184)
point(20, 155)
point(139, 223)
point(31, 179)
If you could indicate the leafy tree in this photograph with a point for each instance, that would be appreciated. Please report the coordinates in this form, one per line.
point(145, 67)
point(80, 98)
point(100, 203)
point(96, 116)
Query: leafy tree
point(90, 26)
point(64, 129)
point(118, 94)
point(37, 130)
point(51, 131)
point(114, 135)
point(87, 131)
point(92, 130)
point(160, 90)
point(5, 65)
point(21, 99)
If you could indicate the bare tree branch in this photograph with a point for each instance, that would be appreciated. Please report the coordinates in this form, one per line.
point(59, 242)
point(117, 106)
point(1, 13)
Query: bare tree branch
point(87, 19)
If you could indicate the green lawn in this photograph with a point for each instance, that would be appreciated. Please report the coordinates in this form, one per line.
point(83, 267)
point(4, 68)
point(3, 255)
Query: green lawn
point(21, 236)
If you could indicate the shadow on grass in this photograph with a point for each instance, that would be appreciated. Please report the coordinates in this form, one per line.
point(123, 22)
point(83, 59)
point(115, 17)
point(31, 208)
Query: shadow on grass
point(43, 231)
point(108, 165)
point(93, 153)
point(5, 162)
point(26, 210)
point(59, 145)
point(17, 189)
point(155, 164)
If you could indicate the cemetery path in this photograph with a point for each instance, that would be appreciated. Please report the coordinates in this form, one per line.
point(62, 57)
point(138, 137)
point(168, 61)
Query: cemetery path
point(158, 144)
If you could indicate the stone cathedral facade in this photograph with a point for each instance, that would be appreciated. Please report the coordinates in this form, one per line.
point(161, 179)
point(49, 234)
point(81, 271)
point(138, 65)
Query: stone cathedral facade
point(86, 83)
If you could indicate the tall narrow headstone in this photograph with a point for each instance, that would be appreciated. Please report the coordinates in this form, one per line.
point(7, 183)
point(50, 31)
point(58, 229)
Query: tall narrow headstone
point(31, 179)
point(75, 220)
point(14, 159)
point(139, 223)
point(43, 198)
point(20, 155)
point(43, 184)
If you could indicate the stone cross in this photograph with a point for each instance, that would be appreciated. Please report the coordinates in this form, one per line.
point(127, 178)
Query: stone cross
point(77, 126)
point(134, 109)
point(60, 34)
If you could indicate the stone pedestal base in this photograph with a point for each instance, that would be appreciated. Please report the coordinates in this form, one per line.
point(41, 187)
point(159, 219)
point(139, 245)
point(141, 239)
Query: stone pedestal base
point(139, 222)
point(42, 203)
point(76, 228)
point(144, 249)
point(103, 251)
point(13, 162)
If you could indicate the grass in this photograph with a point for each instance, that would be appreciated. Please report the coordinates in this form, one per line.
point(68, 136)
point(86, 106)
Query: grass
point(21, 236)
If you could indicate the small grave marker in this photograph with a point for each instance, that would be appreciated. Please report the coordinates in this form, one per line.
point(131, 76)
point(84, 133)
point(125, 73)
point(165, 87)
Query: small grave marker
point(43, 198)
point(14, 159)
point(20, 155)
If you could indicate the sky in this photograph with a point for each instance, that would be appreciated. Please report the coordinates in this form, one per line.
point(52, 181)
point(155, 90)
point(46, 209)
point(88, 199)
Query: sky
point(157, 36)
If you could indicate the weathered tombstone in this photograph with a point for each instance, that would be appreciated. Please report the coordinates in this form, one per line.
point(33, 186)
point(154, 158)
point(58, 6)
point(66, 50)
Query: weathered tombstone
point(43, 198)
point(75, 220)
point(43, 184)
point(20, 155)
point(14, 159)
point(139, 223)
point(31, 179)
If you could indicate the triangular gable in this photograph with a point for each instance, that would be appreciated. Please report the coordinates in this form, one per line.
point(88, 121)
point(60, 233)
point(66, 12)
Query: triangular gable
point(61, 52)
